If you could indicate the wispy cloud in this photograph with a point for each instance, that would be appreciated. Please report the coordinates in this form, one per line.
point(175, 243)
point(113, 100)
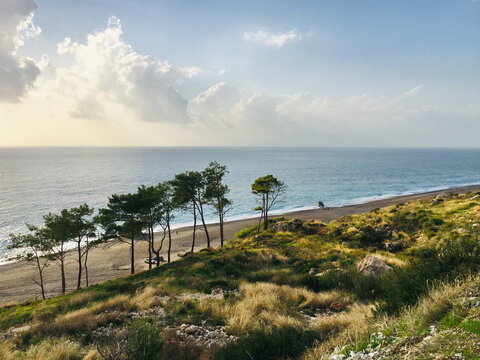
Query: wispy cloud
point(270, 39)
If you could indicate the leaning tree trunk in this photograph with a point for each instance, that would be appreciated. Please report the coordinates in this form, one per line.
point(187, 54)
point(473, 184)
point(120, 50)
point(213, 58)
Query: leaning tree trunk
point(265, 220)
point(169, 239)
point(194, 226)
point(85, 262)
point(40, 272)
point(200, 210)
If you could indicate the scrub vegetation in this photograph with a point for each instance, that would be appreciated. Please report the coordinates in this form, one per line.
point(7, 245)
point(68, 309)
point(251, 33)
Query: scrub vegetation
point(292, 291)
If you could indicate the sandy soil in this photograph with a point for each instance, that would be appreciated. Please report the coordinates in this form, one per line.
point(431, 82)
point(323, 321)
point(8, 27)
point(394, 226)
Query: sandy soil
point(113, 259)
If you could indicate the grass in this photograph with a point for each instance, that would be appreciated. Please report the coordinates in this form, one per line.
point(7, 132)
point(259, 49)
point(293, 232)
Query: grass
point(273, 300)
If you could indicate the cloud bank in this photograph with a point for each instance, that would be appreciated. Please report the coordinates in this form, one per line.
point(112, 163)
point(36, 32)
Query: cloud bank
point(17, 74)
point(106, 93)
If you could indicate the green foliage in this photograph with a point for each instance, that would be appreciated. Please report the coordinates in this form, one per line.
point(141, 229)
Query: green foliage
point(471, 326)
point(246, 232)
point(451, 320)
point(143, 341)
point(277, 343)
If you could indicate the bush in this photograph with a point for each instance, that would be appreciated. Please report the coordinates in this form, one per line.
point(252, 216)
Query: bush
point(278, 343)
point(143, 341)
point(177, 348)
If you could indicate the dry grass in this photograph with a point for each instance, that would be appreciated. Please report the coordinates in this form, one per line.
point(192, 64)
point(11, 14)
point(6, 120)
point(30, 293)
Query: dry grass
point(120, 303)
point(59, 349)
point(389, 259)
point(358, 323)
point(89, 317)
point(430, 308)
point(146, 298)
point(6, 351)
point(348, 327)
point(81, 298)
point(265, 305)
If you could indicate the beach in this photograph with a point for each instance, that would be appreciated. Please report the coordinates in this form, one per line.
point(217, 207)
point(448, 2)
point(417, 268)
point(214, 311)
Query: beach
point(112, 260)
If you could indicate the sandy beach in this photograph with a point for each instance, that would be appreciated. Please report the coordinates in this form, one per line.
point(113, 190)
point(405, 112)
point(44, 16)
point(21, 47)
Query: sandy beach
point(113, 259)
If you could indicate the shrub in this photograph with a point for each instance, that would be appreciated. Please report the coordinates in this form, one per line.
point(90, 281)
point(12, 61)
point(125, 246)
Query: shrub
point(276, 343)
point(143, 341)
point(177, 348)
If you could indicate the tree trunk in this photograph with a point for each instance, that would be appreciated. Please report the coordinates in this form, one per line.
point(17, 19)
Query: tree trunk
point(85, 263)
point(169, 238)
point(132, 255)
point(200, 210)
point(79, 249)
point(62, 268)
point(260, 221)
point(40, 272)
point(194, 226)
point(221, 229)
point(265, 220)
point(150, 242)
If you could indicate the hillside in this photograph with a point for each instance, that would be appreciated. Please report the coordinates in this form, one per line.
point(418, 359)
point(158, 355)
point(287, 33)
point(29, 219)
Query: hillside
point(293, 291)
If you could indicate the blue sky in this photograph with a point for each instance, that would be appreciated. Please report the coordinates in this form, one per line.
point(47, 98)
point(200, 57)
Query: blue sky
point(341, 50)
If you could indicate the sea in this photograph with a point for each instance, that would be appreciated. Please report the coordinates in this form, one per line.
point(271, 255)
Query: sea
point(36, 181)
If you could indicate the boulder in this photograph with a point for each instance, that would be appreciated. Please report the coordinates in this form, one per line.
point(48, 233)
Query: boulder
point(373, 266)
point(312, 271)
point(290, 225)
point(192, 329)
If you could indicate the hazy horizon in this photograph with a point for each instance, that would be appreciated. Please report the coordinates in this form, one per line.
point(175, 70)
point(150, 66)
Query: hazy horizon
point(316, 73)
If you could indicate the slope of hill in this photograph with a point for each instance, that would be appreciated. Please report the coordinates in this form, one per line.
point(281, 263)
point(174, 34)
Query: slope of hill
point(293, 291)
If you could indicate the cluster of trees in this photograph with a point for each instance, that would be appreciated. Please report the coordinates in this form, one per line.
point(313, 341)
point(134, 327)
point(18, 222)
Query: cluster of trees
point(134, 216)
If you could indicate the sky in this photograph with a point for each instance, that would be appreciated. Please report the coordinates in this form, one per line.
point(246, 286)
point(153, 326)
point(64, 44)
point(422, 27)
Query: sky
point(358, 73)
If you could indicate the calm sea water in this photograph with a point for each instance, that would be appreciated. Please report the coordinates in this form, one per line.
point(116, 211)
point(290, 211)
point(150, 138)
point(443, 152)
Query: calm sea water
point(35, 181)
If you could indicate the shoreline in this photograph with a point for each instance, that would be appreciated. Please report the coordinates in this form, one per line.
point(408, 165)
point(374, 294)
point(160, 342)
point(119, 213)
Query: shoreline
point(112, 259)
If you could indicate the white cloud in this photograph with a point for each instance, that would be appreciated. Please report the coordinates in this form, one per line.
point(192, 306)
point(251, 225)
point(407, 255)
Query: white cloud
point(106, 71)
point(17, 74)
point(270, 39)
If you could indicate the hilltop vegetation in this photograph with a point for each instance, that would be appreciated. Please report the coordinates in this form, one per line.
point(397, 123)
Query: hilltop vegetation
point(291, 291)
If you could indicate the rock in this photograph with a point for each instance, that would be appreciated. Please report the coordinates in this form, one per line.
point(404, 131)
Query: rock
point(321, 205)
point(291, 225)
point(183, 327)
point(372, 265)
point(312, 271)
point(463, 231)
point(19, 330)
point(393, 246)
point(442, 196)
point(182, 254)
point(192, 329)
point(336, 306)
point(213, 335)
point(328, 271)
